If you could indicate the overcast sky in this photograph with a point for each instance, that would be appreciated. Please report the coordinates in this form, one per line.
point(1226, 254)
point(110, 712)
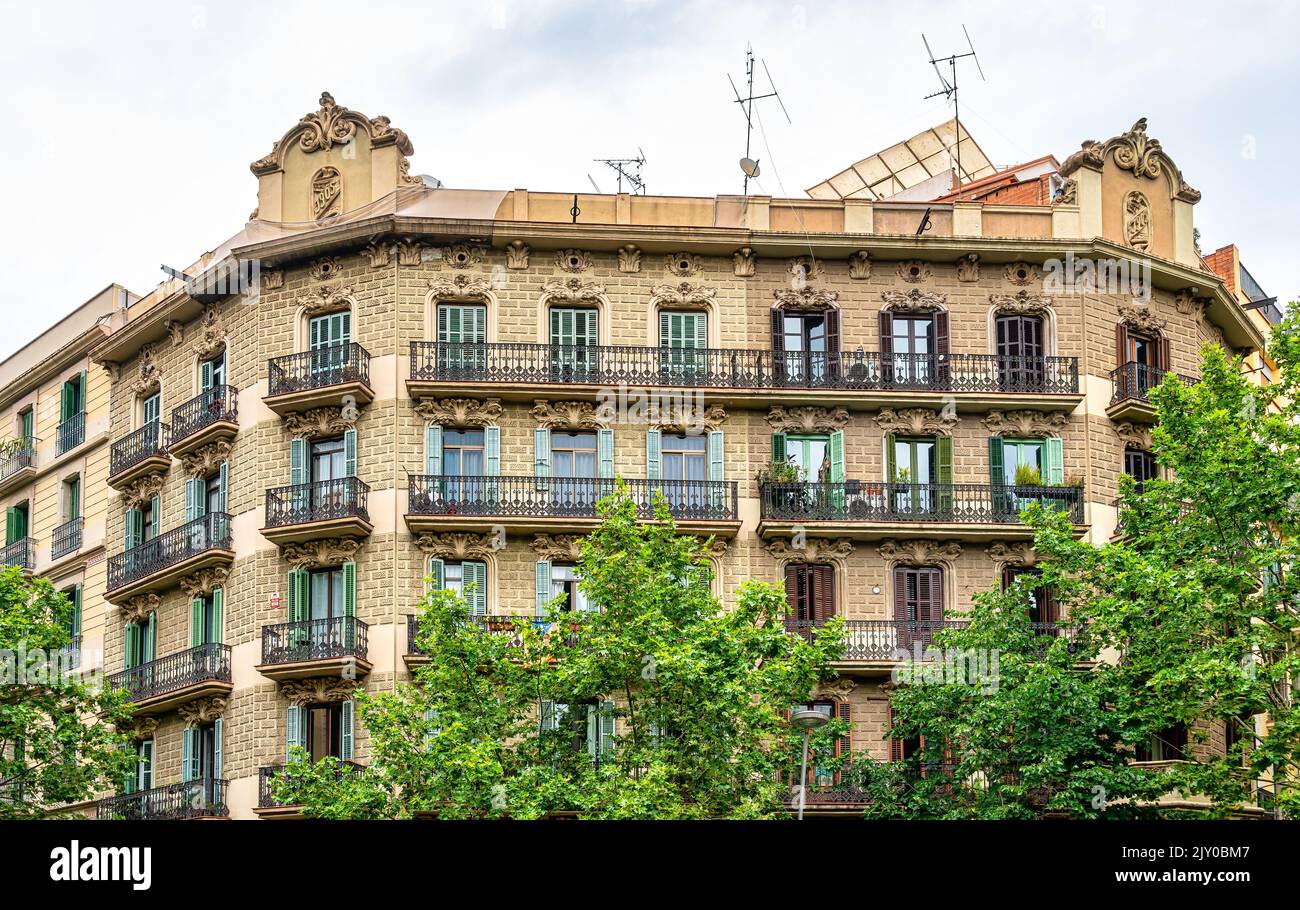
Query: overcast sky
point(130, 126)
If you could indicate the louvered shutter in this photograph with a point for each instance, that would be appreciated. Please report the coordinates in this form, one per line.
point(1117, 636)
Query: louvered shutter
point(146, 765)
point(437, 572)
point(218, 734)
point(345, 732)
point(542, 585)
point(1055, 458)
point(134, 528)
point(1162, 352)
point(844, 745)
point(823, 593)
point(653, 449)
point(298, 468)
point(1121, 344)
point(903, 622)
point(895, 744)
point(189, 754)
point(943, 474)
point(149, 643)
point(433, 450)
point(223, 487)
point(350, 453)
point(792, 571)
point(218, 615)
point(778, 331)
point(719, 500)
point(778, 448)
point(542, 457)
point(295, 730)
point(605, 453)
point(475, 573)
point(205, 376)
point(607, 727)
point(349, 604)
point(196, 622)
point(76, 610)
point(131, 645)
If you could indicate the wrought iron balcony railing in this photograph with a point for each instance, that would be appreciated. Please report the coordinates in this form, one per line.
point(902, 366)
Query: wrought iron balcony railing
point(266, 780)
point(897, 640)
point(412, 630)
point(739, 369)
point(317, 369)
point(70, 654)
point(944, 503)
point(150, 440)
point(201, 798)
point(566, 497)
point(66, 539)
point(214, 405)
point(829, 796)
point(210, 532)
point(70, 434)
point(314, 639)
point(346, 497)
point(507, 623)
point(1133, 381)
point(205, 663)
point(21, 553)
point(22, 456)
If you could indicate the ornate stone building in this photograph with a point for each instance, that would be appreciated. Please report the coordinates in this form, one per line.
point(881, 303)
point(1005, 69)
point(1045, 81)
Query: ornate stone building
point(423, 380)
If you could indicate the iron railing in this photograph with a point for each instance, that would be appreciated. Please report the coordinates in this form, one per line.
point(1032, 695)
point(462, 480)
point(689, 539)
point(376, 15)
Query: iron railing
point(210, 532)
point(314, 639)
point(412, 630)
point(344, 497)
point(214, 405)
point(23, 456)
point(66, 538)
point(317, 369)
point(21, 553)
point(900, 639)
point(1133, 381)
point(519, 362)
point(146, 442)
point(856, 500)
point(205, 663)
point(829, 795)
point(70, 434)
point(567, 497)
point(506, 623)
point(266, 778)
point(70, 654)
point(204, 797)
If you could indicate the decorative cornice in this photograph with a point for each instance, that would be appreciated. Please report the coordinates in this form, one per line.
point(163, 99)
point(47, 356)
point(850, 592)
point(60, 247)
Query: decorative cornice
point(206, 459)
point(138, 608)
point(460, 412)
point(138, 728)
point(1021, 303)
point(462, 255)
point(320, 554)
point(317, 690)
point(681, 295)
point(1012, 554)
point(326, 298)
point(913, 271)
point(745, 262)
point(558, 547)
point(460, 287)
point(918, 552)
point(683, 265)
point(1025, 423)
point(914, 301)
point(569, 415)
point(838, 690)
point(318, 422)
point(457, 545)
point(379, 253)
point(1141, 318)
point(327, 127)
point(204, 581)
point(410, 251)
point(968, 267)
point(517, 253)
point(629, 259)
point(1134, 151)
point(814, 549)
point(860, 265)
point(919, 421)
point(137, 493)
point(574, 289)
point(573, 260)
point(202, 710)
point(1137, 435)
point(805, 298)
point(807, 419)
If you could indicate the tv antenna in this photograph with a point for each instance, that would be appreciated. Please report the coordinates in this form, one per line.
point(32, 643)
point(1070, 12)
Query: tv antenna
point(949, 89)
point(628, 169)
point(748, 165)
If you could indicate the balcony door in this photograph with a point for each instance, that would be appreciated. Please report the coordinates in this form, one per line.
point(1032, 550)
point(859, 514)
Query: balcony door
point(805, 346)
point(918, 603)
point(810, 592)
point(328, 339)
point(1020, 352)
point(462, 339)
point(212, 373)
point(819, 775)
point(328, 462)
point(140, 778)
point(913, 469)
point(574, 472)
point(464, 464)
point(151, 412)
point(683, 336)
point(564, 582)
point(17, 523)
point(201, 762)
point(573, 338)
point(1041, 607)
point(683, 467)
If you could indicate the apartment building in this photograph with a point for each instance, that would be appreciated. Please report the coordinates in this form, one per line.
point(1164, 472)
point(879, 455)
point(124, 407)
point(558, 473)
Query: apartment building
point(379, 379)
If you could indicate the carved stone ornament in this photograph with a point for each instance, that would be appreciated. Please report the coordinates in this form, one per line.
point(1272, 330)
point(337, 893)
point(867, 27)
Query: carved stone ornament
point(1136, 435)
point(802, 269)
point(968, 268)
point(137, 493)
point(176, 331)
point(327, 127)
point(558, 547)
point(462, 255)
point(1021, 553)
point(1137, 221)
point(317, 690)
point(914, 301)
point(683, 265)
point(137, 609)
point(814, 549)
point(212, 333)
point(320, 554)
point(204, 581)
point(202, 710)
point(806, 298)
point(206, 459)
point(325, 268)
point(457, 545)
point(460, 412)
point(1134, 151)
point(147, 376)
point(1025, 423)
point(380, 254)
point(572, 289)
point(1140, 318)
point(1023, 274)
point(326, 299)
point(1068, 194)
point(919, 552)
point(320, 422)
point(716, 547)
point(517, 255)
point(461, 287)
point(916, 421)
point(681, 295)
point(680, 417)
point(1021, 303)
point(860, 265)
point(270, 279)
point(112, 369)
point(326, 193)
point(807, 419)
point(570, 415)
point(573, 260)
point(629, 259)
point(410, 252)
point(914, 271)
point(745, 261)
point(837, 690)
point(138, 728)
point(1188, 304)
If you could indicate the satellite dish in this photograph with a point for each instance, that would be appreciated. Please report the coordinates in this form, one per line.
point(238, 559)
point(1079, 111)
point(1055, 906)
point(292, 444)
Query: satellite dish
point(749, 166)
point(432, 183)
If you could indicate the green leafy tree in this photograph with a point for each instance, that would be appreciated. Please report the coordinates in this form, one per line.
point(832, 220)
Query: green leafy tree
point(1186, 621)
point(57, 739)
point(512, 717)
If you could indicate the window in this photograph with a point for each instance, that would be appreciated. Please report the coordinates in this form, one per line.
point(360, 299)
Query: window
point(17, 522)
point(321, 729)
point(818, 774)
point(141, 777)
point(325, 594)
point(73, 399)
point(573, 454)
point(1170, 744)
point(573, 337)
point(912, 348)
point(213, 496)
point(591, 726)
point(916, 467)
point(72, 625)
point(149, 519)
point(918, 603)
point(806, 345)
point(810, 591)
point(1141, 466)
point(1141, 349)
point(1041, 608)
point(1023, 462)
point(205, 619)
point(459, 326)
point(26, 424)
point(328, 338)
point(140, 641)
point(1020, 349)
point(327, 460)
point(463, 453)
point(468, 578)
point(201, 753)
point(151, 409)
point(212, 373)
point(564, 581)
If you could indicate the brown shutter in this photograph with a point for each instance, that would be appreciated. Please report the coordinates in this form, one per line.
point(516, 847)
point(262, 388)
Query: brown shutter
point(941, 333)
point(778, 331)
point(902, 629)
point(1162, 352)
point(924, 595)
point(844, 745)
point(792, 588)
point(823, 579)
point(832, 342)
point(1047, 605)
point(936, 594)
point(886, 333)
point(895, 745)
point(1121, 344)
point(1008, 577)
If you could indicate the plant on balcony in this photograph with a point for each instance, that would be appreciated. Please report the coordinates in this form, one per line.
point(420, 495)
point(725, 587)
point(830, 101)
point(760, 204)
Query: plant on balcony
point(696, 697)
point(780, 472)
point(1028, 475)
point(58, 743)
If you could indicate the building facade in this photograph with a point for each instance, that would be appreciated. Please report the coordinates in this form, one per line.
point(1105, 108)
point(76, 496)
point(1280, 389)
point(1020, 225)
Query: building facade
point(420, 381)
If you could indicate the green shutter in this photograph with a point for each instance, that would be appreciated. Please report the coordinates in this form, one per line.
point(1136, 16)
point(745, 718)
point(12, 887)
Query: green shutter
point(74, 499)
point(653, 448)
point(607, 722)
point(349, 589)
point(196, 622)
point(223, 487)
point(492, 451)
point(155, 506)
point(218, 733)
point(134, 528)
point(718, 498)
point(593, 731)
point(350, 453)
point(76, 610)
point(297, 595)
point(541, 456)
point(837, 457)
point(189, 754)
point(295, 730)
point(218, 615)
point(345, 713)
point(475, 573)
point(65, 402)
point(665, 329)
point(11, 526)
point(891, 458)
point(778, 448)
point(437, 574)
point(131, 645)
point(1055, 473)
point(943, 473)
point(196, 498)
point(146, 765)
point(149, 647)
point(605, 453)
point(433, 450)
point(297, 460)
point(997, 471)
point(542, 584)
point(205, 376)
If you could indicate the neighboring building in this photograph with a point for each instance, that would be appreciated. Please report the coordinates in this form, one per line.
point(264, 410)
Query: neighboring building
point(418, 384)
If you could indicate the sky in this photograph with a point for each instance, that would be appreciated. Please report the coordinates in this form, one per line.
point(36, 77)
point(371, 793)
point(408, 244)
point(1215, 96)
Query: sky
point(130, 126)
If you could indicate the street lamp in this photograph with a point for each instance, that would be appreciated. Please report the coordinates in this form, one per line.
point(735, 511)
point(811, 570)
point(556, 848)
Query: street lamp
point(807, 720)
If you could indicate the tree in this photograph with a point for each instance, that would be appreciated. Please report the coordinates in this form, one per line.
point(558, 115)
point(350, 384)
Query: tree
point(1186, 627)
point(514, 716)
point(57, 739)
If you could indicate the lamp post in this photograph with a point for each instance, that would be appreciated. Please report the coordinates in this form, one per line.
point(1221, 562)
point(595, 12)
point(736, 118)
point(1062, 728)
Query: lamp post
point(807, 720)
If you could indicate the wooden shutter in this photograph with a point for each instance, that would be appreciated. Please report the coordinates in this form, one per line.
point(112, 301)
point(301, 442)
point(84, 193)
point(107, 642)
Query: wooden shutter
point(217, 736)
point(542, 585)
point(433, 450)
point(943, 459)
point(345, 732)
point(475, 573)
point(895, 744)
point(205, 376)
point(844, 745)
point(891, 458)
point(605, 453)
point(131, 645)
point(823, 592)
point(941, 333)
point(492, 451)
point(295, 730)
point(297, 601)
point(437, 572)
point(134, 528)
point(149, 645)
point(778, 448)
point(717, 470)
point(189, 754)
point(350, 453)
point(223, 487)
point(653, 453)
point(196, 622)
point(542, 456)
point(76, 610)
point(146, 765)
point(218, 615)
point(1162, 352)
point(997, 469)
point(778, 331)
point(792, 571)
point(298, 460)
point(1055, 460)
point(837, 457)
point(900, 594)
point(607, 722)
point(886, 333)
point(1121, 344)
point(349, 589)
point(195, 490)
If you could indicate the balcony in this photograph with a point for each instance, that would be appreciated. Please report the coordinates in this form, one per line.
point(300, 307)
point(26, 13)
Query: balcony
point(202, 798)
point(70, 654)
point(1131, 384)
point(525, 370)
point(66, 539)
point(21, 553)
point(161, 562)
point(318, 378)
point(867, 511)
point(18, 465)
point(563, 503)
point(141, 452)
point(315, 647)
point(165, 683)
point(205, 418)
point(413, 656)
point(269, 807)
point(825, 799)
point(313, 511)
point(70, 434)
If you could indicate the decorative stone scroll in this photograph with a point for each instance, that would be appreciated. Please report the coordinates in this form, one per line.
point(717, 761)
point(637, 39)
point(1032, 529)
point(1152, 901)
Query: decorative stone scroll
point(138, 493)
point(148, 378)
point(807, 419)
point(320, 554)
point(681, 295)
point(460, 287)
point(745, 262)
point(409, 252)
point(379, 254)
point(457, 545)
point(320, 422)
point(138, 608)
point(573, 260)
point(212, 333)
point(569, 415)
point(1138, 222)
point(916, 421)
point(683, 265)
point(860, 266)
point(202, 710)
point(317, 690)
point(913, 271)
point(572, 289)
point(1141, 319)
point(1025, 423)
point(815, 549)
point(914, 301)
point(325, 268)
point(517, 253)
point(460, 412)
point(680, 417)
point(1021, 553)
point(968, 268)
point(629, 259)
point(1135, 434)
point(206, 459)
point(204, 581)
point(919, 552)
point(806, 298)
point(1021, 303)
point(1022, 274)
point(326, 299)
point(558, 547)
point(1134, 151)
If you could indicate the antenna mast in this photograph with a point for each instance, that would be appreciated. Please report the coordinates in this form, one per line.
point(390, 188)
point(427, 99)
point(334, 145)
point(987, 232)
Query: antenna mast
point(624, 168)
point(949, 89)
point(747, 108)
